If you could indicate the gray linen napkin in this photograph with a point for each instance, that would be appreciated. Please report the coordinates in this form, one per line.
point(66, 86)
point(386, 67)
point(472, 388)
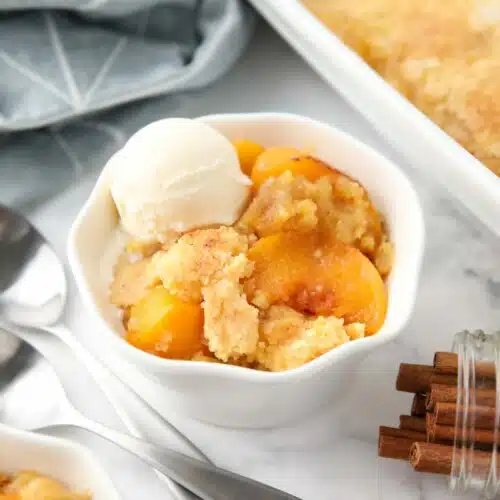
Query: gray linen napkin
point(75, 75)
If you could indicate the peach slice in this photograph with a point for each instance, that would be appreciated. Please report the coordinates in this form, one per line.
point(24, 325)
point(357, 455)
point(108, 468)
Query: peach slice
point(248, 152)
point(164, 325)
point(317, 277)
point(274, 161)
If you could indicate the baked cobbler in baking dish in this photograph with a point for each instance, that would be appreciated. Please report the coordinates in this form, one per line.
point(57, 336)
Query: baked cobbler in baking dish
point(443, 56)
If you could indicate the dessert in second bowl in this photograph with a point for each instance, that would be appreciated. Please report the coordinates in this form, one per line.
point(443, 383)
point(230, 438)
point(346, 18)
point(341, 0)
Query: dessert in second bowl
point(31, 485)
point(281, 257)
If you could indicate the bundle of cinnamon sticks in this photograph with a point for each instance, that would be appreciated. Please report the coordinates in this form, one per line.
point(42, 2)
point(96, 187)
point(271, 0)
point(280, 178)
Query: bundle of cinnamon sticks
point(426, 436)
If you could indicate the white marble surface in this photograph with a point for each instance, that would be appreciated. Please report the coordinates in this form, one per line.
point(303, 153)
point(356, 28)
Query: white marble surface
point(333, 454)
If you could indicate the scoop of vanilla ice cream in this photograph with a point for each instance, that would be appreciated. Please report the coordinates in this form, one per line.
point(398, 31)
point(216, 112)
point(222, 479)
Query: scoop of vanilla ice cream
point(174, 175)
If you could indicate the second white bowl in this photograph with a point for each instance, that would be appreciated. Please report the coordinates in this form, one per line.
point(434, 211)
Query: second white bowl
point(239, 397)
point(60, 459)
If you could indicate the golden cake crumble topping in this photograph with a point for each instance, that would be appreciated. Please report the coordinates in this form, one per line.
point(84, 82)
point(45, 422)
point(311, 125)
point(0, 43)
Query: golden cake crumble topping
point(133, 280)
point(202, 258)
point(290, 339)
point(443, 57)
point(300, 273)
point(231, 323)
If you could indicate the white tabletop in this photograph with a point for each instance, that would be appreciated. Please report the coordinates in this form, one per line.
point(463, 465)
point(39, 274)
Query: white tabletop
point(333, 454)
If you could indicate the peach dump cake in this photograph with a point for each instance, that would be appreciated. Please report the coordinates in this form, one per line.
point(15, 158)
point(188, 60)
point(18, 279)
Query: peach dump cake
point(31, 485)
point(442, 56)
point(298, 272)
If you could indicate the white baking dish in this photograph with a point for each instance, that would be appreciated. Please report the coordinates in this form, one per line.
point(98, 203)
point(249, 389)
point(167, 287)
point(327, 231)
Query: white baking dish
point(423, 143)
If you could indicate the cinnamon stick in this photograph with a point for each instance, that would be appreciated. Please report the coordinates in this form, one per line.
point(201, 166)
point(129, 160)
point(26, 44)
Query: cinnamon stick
point(446, 433)
point(441, 433)
point(394, 447)
point(438, 458)
point(402, 433)
point(396, 443)
point(431, 457)
point(430, 423)
point(413, 378)
point(418, 405)
point(418, 378)
point(440, 392)
point(448, 394)
point(427, 436)
point(446, 414)
point(411, 423)
point(447, 362)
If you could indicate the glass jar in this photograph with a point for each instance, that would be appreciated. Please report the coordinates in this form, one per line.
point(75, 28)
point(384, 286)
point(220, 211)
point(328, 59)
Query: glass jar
point(476, 458)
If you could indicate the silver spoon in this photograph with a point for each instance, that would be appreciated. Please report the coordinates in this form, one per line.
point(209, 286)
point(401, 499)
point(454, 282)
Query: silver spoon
point(26, 262)
point(33, 293)
point(24, 377)
point(205, 480)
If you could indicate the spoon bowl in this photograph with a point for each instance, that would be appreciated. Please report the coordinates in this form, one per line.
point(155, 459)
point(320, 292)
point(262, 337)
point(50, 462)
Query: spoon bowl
point(32, 282)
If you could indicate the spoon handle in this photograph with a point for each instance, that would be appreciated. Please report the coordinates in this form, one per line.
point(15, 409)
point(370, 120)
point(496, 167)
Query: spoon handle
point(205, 480)
point(111, 385)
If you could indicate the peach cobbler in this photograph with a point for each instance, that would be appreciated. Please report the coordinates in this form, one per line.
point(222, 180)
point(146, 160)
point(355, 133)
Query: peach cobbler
point(31, 485)
point(444, 57)
point(300, 272)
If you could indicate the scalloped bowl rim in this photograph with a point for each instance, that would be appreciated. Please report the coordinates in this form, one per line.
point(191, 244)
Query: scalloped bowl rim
point(201, 368)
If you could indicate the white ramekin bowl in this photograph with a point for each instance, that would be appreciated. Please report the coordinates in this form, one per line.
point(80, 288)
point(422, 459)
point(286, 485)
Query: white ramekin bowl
point(61, 459)
point(239, 397)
